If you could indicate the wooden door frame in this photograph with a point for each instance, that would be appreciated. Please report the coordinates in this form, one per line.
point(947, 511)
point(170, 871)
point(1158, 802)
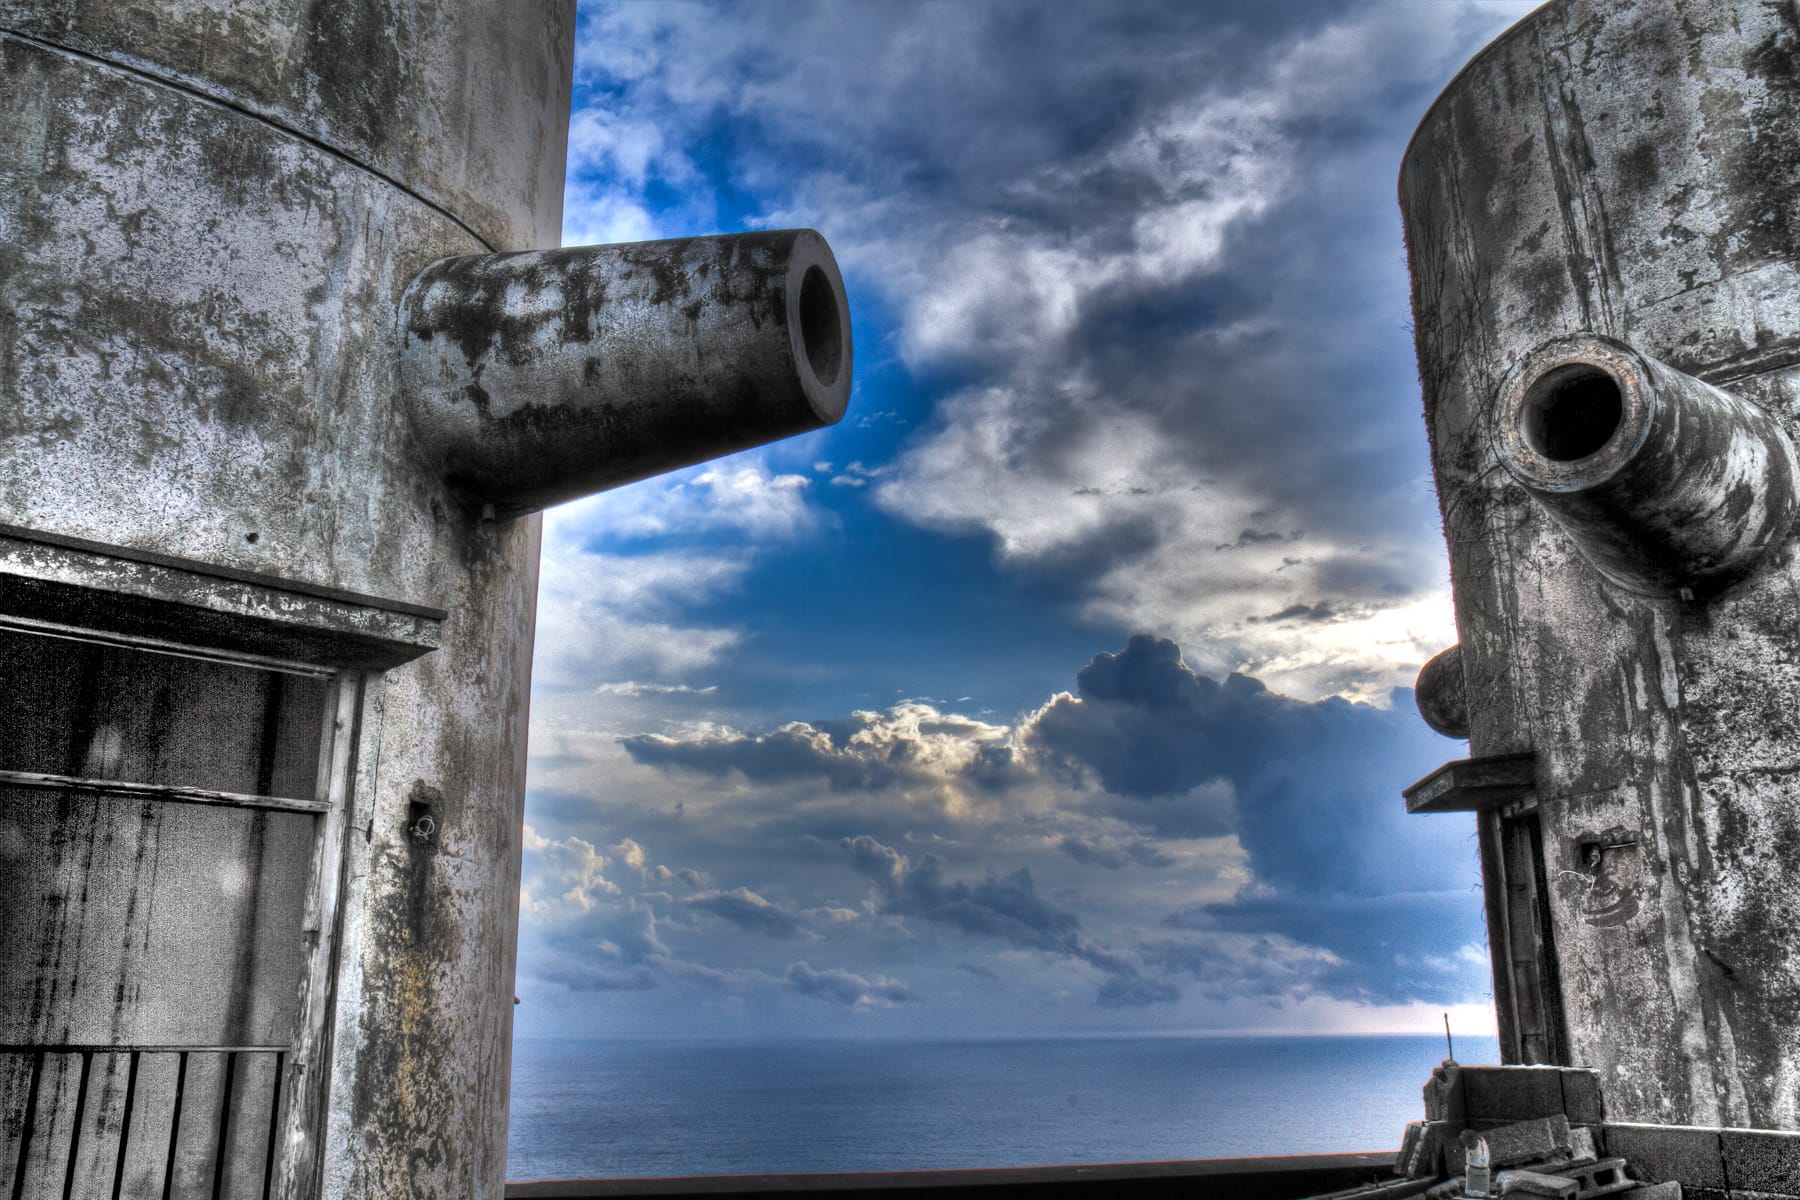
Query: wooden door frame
point(301, 1095)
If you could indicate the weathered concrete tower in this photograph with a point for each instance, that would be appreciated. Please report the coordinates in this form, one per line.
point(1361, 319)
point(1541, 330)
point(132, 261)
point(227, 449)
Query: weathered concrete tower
point(1603, 223)
point(277, 410)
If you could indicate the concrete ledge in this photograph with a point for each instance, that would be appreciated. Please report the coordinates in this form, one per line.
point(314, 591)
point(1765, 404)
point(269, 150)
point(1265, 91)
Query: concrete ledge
point(1284, 1177)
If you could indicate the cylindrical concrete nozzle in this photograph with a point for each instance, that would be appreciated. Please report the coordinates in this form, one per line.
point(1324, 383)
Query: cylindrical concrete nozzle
point(1442, 694)
point(535, 378)
point(1665, 482)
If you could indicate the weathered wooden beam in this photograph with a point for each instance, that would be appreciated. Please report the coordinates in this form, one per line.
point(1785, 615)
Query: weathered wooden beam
point(158, 791)
point(1473, 784)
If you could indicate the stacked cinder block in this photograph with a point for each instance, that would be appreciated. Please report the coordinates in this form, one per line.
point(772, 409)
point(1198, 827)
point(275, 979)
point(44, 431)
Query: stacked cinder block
point(1510, 1131)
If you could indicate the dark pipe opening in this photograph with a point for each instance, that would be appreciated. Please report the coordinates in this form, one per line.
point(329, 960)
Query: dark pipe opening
point(1572, 412)
point(820, 332)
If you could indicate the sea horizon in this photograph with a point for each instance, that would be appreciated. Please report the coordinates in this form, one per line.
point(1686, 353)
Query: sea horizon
point(602, 1106)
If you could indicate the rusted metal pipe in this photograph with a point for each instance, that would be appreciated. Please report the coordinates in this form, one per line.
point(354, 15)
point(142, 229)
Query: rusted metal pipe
point(535, 378)
point(1666, 483)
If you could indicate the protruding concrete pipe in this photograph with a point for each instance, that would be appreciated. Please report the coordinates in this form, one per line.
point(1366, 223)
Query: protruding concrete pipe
point(536, 378)
point(1442, 694)
point(1666, 483)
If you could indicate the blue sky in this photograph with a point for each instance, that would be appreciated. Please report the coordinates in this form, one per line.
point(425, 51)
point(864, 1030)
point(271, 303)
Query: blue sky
point(1061, 686)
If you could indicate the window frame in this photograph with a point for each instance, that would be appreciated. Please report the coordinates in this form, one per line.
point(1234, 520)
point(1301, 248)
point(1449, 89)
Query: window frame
point(58, 586)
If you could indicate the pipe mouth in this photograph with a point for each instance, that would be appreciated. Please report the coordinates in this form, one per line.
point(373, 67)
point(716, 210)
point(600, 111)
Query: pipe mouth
point(1572, 412)
point(821, 332)
point(819, 326)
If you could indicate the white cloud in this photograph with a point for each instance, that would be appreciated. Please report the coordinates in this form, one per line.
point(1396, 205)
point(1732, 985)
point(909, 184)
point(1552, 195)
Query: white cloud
point(563, 877)
point(604, 616)
point(738, 495)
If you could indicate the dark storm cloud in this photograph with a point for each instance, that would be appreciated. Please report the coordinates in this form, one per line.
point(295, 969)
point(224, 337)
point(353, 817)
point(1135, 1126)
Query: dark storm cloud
point(1341, 865)
point(846, 987)
point(747, 910)
point(1315, 797)
point(1004, 906)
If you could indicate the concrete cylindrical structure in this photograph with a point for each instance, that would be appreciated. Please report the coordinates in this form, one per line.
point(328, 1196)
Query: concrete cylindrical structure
point(1612, 191)
point(535, 378)
point(207, 216)
point(264, 655)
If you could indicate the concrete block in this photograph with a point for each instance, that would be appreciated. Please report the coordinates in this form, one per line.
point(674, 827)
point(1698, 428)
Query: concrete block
point(1761, 1160)
point(1410, 1141)
point(1543, 1140)
point(1654, 1191)
point(1689, 1155)
point(1582, 1102)
point(1533, 1183)
point(1582, 1146)
point(1444, 1093)
point(1512, 1093)
point(1604, 1178)
point(1429, 1157)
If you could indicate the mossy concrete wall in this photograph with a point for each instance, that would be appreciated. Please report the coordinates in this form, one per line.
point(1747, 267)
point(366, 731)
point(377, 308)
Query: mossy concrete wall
point(208, 212)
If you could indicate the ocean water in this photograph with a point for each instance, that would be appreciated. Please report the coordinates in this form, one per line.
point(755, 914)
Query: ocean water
point(591, 1109)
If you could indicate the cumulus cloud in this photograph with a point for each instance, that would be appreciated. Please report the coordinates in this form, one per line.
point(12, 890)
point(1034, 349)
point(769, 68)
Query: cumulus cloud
point(912, 746)
point(1147, 762)
point(563, 874)
point(735, 497)
point(598, 612)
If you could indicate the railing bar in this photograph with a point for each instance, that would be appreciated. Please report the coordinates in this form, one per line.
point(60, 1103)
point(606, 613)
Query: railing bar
point(149, 645)
point(81, 1091)
point(224, 1146)
point(125, 1125)
point(169, 793)
point(31, 1103)
point(274, 1125)
point(114, 1048)
point(175, 1124)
